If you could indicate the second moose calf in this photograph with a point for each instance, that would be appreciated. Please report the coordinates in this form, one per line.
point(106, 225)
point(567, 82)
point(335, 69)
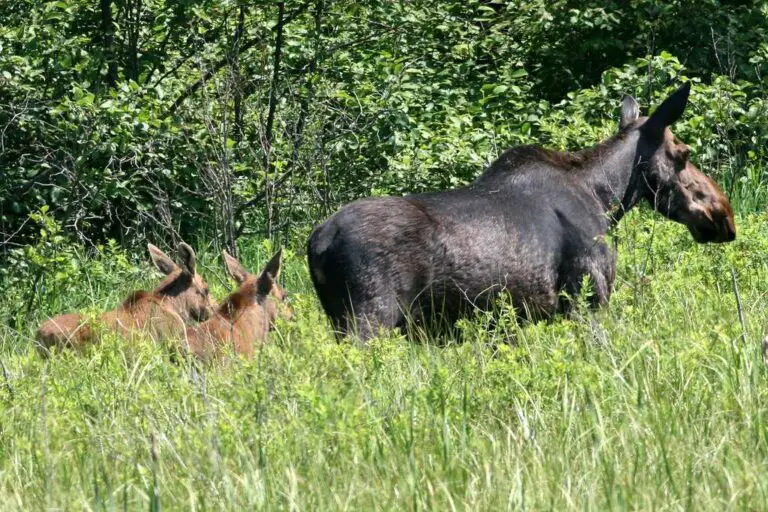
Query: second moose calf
point(245, 317)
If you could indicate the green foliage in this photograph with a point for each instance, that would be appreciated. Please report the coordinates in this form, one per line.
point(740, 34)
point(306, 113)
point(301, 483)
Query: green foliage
point(568, 44)
point(156, 119)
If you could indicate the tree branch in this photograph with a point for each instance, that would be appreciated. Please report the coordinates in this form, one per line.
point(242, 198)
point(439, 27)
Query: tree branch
point(258, 197)
point(310, 86)
point(268, 130)
point(192, 89)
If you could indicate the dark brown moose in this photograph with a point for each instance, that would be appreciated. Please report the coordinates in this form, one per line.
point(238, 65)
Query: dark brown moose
point(160, 314)
point(532, 224)
point(245, 317)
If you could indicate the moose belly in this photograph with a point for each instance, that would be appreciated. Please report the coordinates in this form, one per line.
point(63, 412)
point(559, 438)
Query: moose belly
point(482, 259)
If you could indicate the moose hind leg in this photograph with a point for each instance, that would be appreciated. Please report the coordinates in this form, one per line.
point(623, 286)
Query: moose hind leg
point(369, 316)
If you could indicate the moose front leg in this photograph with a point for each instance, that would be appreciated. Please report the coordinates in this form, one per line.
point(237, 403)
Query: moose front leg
point(602, 271)
point(598, 262)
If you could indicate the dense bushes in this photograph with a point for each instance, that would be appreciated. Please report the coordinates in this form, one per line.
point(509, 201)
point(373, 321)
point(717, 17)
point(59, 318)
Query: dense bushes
point(128, 118)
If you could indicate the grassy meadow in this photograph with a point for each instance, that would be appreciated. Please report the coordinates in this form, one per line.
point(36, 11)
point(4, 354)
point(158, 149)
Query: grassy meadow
point(658, 401)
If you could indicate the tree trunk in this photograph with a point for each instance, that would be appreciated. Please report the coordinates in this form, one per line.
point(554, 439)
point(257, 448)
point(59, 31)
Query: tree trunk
point(108, 42)
point(237, 88)
point(309, 87)
point(237, 78)
point(269, 127)
point(133, 19)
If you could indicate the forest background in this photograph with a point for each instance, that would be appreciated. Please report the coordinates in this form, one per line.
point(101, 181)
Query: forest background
point(136, 119)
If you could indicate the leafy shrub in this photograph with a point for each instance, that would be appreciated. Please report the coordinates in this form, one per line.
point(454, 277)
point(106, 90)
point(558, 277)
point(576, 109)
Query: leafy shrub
point(172, 120)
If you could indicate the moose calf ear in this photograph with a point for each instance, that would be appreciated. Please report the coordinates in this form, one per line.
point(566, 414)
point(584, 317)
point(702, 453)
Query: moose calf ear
point(670, 110)
point(264, 284)
point(161, 260)
point(630, 111)
point(234, 268)
point(188, 258)
point(273, 266)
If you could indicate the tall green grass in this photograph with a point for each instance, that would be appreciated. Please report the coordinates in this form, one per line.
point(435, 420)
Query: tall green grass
point(658, 401)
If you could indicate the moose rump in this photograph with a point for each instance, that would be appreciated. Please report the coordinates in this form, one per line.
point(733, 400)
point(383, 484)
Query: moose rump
point(532, 225)
point(365, 260)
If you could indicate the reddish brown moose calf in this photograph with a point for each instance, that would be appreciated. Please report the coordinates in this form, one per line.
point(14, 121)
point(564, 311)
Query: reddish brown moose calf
point(159, 314)
point(245, 317)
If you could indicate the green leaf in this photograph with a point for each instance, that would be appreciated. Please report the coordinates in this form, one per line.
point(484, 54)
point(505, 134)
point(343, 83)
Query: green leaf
point(87, 99)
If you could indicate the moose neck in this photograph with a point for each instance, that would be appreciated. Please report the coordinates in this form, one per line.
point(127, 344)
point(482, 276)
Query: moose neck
point(611, 174)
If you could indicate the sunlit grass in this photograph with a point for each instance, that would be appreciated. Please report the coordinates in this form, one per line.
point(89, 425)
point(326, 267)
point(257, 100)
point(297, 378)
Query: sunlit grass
point(658, 401)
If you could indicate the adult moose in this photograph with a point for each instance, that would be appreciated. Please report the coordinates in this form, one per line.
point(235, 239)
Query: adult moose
point(532, 224)
point(181, 296)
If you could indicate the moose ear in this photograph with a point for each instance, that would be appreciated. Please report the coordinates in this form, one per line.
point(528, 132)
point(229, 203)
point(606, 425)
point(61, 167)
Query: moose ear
point(273, 266)
point(630, 111)
point(264, 284)
point(234, 268)
point(161, 260)
point(188, 258)
point(670, 110)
